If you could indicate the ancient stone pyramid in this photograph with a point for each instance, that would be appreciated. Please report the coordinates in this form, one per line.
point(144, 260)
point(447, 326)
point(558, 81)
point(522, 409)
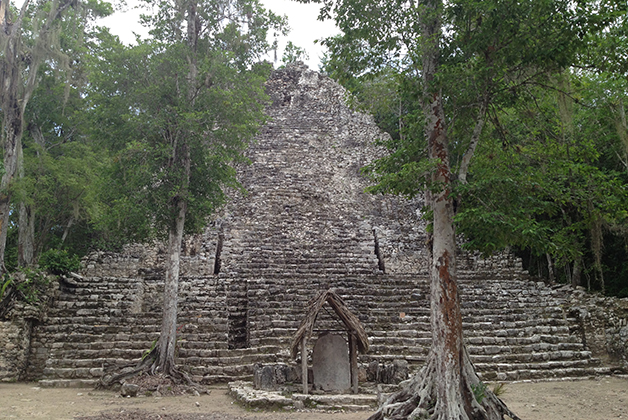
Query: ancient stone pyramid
point(305, 225)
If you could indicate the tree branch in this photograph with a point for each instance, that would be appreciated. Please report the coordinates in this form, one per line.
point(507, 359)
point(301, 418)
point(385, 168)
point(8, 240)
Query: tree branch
point(475, 138)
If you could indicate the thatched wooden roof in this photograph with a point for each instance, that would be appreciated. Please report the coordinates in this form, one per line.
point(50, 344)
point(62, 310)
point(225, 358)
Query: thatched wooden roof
point(351, 321)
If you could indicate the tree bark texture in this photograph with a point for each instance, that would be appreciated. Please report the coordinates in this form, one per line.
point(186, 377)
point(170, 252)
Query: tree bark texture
point(577, 272)
point(26, 236)
point(165, 362)
point(181, 156)
point(475, 139)
point(12, 122)
point(550, 268)
point(164, 358)
point(26, 224)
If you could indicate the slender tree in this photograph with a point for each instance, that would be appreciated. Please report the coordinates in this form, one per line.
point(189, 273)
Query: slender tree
point(61, 169)
point(28, 38)
point(188, 102)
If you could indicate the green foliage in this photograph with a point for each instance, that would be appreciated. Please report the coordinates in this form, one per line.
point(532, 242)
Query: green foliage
point(548, 176)
point(499, 389)
point(148, 351)
point(491, 51)
point(62, 168)
point(53, 175)
point(172, 103)
point(293, 53)
point(59, 261)
point(479, 391)
point(393, 99)
point(543, 187)
point(7, 281)
point(29, 285)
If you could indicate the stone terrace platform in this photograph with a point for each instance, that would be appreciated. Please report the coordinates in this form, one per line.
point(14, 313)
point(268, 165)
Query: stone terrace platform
point(515, 329)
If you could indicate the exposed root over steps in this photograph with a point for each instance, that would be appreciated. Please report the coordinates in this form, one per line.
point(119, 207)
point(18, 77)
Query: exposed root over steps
point(418, 399)
point(149, 365)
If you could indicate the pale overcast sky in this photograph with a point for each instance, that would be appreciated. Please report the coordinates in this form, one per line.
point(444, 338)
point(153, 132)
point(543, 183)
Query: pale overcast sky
point(301, 17)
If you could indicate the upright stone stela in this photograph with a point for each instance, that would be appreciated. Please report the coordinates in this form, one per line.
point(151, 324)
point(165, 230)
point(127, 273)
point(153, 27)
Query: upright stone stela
point(331, 370)
point(305, 226)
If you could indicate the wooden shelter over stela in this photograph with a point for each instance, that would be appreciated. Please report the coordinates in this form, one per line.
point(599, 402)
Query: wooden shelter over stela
point(357, 338)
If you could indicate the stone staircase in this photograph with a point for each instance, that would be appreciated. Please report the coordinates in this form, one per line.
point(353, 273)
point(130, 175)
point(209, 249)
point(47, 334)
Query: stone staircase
point(515, 329)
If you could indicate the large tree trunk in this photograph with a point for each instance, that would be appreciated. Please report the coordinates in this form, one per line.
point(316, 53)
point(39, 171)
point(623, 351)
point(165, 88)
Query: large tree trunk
point(447, 388)
point(26, 224)
point(12, 124)
point(10, 140)
point(26, 236)
point(166, 346)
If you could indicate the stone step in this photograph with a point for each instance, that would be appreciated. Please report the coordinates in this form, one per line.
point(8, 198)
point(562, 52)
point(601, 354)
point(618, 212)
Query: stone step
point(545, 374)
point(400, 350)
point(540, 356)
point(415, 359)
point(528, 327)
point(348, 401)
point(523, 340)
point(536, 347)
point(220, 378)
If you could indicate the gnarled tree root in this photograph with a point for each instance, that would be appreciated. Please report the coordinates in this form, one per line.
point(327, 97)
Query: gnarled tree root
point(417, 400)
point(148, 365)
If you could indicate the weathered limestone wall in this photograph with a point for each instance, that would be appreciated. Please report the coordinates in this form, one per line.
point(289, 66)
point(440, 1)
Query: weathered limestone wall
point(104, 322)
point(602, 323)
point(306, 203)
point(515, 329)
point(16, 332)
point(14, 348)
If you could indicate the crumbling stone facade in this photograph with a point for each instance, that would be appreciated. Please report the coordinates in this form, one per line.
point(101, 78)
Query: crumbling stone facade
point(602, 324)
point(14, 347)
point(16, 336)
point(305, 226)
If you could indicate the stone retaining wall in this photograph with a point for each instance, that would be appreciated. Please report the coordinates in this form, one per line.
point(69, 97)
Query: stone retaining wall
point(602, 324)
point(14, 348)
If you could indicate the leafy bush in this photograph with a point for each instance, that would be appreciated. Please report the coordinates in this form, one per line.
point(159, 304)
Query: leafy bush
point(27, 284)
point(59, 261)
point(31, 284)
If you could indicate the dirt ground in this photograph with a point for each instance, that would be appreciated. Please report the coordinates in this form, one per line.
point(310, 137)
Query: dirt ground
point(600, 399)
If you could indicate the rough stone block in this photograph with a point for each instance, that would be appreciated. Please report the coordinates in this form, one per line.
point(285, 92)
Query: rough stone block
point(330, 363)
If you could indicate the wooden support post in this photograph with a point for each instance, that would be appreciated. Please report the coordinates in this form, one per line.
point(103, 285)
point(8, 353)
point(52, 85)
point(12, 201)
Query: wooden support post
point(304, 364)
point(353, 359)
